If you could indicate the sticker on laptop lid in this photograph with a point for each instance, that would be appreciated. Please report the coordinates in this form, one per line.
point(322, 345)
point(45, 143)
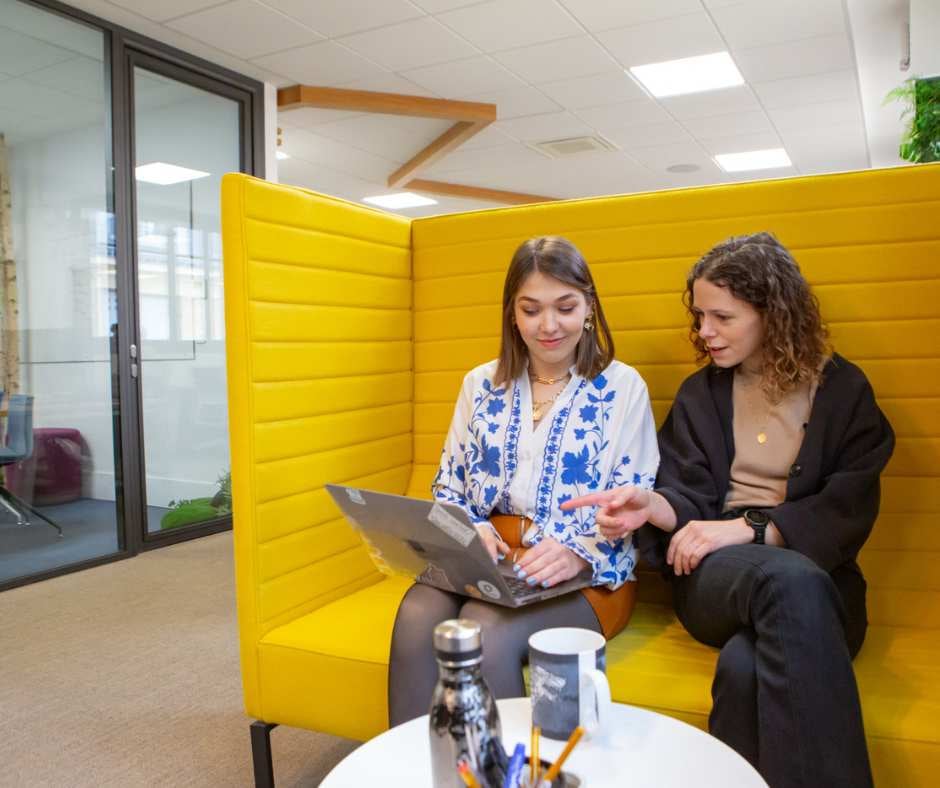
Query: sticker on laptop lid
point(488, 589)
point(450, 525)
point(355, 496)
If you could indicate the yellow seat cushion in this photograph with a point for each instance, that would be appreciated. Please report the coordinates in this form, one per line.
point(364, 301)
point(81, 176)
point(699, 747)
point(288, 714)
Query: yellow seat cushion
point(336, 660)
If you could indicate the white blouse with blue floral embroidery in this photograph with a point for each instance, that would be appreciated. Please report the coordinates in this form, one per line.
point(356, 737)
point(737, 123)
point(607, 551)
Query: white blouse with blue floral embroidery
point(599, 434)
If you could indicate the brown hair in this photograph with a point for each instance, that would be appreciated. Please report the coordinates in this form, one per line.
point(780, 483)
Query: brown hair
point(560, 259)
point(760, 270)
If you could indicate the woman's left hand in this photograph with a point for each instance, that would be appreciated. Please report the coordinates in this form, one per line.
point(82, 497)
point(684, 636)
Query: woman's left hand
point(549, 563)
point(700, 537)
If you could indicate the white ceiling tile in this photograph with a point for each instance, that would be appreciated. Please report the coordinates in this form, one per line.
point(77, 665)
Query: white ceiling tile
point(794, 59)
point(317, 149)
point(335, 18)
point(812, 147)
point(464, 77)
point(506, 24)
point(648, 135)
point(627, 113)
point(508, 156)
point(742, 142)
point(517, 102)
point(751, 25)
point(593, 91)
point(245, 28)
point(734, 123)
point(20, 54)
point(538, 128)
point(298, 172)
point(164, 10)
point(490, 137)
point(80, 76)
point(419, 42)
point(668, 39)
point(712, 102)
point(556, 60)
point(390, 83)
point(598, 15)
point(840, 162)
point(659, 157)
point(325, 63)
point(439, 6)
point(394, 137)
point(830, 113)
point(308, 117)
point(831, 86)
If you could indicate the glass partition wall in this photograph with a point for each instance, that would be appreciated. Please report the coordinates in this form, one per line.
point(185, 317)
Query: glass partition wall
point(113, 432)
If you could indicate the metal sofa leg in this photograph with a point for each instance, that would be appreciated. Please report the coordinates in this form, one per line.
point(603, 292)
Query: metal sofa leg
point(261, 753)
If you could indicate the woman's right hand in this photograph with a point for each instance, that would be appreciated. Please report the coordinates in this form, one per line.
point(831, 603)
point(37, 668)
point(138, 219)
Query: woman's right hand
point(495, 546)
point(620, 512)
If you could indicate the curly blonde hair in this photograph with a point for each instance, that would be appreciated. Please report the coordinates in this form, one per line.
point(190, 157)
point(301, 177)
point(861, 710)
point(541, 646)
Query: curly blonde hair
point(760, 270)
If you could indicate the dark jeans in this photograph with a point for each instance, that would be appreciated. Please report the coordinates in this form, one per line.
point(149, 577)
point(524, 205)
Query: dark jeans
point(784, 694)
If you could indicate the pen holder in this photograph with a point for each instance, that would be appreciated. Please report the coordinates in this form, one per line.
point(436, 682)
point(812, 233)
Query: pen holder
point(563, 780)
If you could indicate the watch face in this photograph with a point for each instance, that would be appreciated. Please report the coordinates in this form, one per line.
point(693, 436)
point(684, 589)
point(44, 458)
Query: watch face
point(756, 517)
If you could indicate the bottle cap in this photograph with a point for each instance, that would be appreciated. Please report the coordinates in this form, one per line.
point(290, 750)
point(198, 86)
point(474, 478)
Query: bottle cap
point(458, 641)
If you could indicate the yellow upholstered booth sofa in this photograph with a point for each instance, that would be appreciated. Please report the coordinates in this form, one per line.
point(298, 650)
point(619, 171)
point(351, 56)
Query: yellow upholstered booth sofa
point(349, 332)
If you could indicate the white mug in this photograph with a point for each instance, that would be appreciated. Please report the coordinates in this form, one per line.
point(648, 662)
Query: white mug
point(569, 686)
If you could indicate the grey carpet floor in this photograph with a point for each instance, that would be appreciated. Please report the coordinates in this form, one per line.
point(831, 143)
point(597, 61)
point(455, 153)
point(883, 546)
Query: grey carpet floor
point(128, 675)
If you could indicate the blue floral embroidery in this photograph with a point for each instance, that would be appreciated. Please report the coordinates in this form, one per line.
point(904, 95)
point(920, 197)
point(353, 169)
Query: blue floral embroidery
point(512, 445)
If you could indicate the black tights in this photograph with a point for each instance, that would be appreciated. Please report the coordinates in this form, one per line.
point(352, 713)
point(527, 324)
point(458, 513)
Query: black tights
point(412, 669)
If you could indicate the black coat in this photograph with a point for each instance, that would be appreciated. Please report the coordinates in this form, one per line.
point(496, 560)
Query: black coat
point(833, 490)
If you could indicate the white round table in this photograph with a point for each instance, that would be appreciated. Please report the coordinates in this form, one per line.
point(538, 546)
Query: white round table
point(638, 748)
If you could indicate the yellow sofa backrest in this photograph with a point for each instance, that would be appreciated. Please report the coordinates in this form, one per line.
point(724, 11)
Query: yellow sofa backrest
point(869, 242)
point(318, 315)
point(349, 331)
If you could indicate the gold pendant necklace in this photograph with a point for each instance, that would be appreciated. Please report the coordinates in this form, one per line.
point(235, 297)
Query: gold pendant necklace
point(537, 407)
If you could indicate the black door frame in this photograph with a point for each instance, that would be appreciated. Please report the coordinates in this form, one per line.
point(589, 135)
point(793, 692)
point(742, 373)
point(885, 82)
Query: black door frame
point(125, 49)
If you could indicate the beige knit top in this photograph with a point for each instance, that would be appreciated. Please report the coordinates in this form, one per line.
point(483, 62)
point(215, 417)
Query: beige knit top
point(767, 438)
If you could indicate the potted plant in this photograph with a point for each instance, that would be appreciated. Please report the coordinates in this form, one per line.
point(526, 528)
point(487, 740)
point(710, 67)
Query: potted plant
point(197, 510)
point(921, 140)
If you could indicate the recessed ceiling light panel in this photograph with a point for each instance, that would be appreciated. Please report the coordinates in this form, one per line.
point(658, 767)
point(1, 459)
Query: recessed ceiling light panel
point(163, 174)
point(769, 159)
point(689, 75)
point(400, 200)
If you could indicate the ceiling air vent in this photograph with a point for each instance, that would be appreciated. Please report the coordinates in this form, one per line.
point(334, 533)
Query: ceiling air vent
point(556, 149)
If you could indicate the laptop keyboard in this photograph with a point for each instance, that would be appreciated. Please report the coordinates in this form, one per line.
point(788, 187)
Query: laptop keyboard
point(518, 588)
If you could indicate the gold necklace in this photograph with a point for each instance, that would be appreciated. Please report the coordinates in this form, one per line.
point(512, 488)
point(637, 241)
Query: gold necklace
point(537, 407)
point(549, 381)
point(764, 415)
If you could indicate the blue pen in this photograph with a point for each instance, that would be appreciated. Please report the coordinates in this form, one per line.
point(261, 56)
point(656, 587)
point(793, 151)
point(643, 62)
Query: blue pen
point(516, 762)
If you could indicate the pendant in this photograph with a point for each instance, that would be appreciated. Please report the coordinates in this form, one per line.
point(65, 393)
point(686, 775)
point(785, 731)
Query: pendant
point(537, 413)
point(762, 437)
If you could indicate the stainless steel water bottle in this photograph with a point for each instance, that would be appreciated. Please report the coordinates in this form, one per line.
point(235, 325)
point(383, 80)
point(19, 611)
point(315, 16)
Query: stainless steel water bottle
point(464, 720)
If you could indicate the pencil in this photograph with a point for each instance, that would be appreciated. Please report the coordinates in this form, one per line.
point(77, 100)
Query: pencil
point(534, 762)
point(555, 768)
point(467, 774)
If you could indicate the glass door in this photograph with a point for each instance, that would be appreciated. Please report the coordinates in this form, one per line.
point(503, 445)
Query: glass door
point(60, 449)
point(185, 137)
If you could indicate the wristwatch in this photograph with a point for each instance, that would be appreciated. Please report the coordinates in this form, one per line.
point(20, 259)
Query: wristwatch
point(758, 520)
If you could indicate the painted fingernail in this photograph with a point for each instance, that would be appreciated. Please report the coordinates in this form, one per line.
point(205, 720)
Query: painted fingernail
point(516, 568)
point(531, 581)
point(521, 574)
point(545, 584)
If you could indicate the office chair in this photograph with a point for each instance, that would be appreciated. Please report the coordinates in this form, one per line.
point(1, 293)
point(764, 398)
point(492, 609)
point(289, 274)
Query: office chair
point(19, 447)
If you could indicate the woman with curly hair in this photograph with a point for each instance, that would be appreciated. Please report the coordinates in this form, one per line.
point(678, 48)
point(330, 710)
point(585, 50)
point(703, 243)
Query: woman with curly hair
point(768, 487)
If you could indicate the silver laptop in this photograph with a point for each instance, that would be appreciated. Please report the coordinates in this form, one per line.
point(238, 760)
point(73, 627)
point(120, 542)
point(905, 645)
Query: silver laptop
point(436, 544)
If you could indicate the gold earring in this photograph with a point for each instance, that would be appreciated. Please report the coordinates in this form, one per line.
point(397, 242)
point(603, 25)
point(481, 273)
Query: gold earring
point(589, 323)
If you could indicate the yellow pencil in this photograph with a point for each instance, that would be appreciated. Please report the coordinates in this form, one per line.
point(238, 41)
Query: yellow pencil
point(555, 768)
point(467, 774)
point(534, 762)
